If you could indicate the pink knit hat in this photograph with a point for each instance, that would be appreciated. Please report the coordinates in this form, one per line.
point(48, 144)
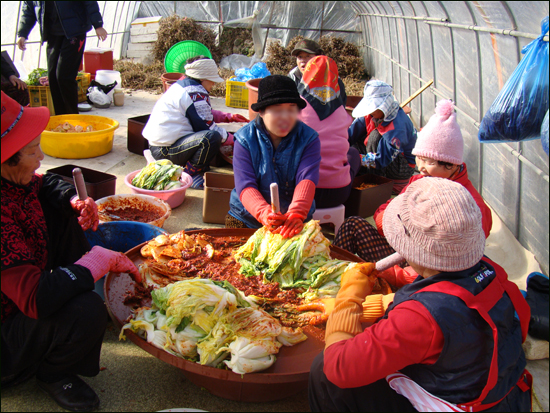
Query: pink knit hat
point(441, 139)
point(436, 223)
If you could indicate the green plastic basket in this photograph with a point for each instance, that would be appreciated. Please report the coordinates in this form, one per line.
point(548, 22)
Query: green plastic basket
point(177, 56)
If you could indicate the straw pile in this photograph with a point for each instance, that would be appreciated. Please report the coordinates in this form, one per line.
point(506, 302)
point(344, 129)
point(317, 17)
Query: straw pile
point(137, 76)
point(175, 29)
point(236, 40)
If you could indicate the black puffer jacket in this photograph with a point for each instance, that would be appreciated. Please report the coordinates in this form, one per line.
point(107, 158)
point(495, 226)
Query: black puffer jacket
point(77, 17)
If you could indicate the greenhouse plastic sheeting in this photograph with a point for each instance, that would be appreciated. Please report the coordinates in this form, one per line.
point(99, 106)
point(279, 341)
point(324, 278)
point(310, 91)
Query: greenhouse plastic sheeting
point(468, 66)
point(117, 18)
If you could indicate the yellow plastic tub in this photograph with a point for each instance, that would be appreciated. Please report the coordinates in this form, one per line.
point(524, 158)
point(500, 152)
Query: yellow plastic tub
point(79, 145)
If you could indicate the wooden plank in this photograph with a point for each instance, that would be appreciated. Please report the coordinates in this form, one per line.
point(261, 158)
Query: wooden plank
point(144, 38)
point(417, 93)
point(141, 46)
point(146, 20)
point(138, 53)
point(149, 29)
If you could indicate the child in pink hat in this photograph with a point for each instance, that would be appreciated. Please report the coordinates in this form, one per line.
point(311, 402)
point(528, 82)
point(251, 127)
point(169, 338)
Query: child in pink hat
point(439, 153)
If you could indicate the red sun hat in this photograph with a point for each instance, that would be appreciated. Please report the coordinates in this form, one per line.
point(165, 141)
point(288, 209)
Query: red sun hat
point(20, 125)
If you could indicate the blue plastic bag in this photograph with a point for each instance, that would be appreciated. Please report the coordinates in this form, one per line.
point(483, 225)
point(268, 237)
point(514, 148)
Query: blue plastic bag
point(518, 110)
point(544, 133)
point(258, 71)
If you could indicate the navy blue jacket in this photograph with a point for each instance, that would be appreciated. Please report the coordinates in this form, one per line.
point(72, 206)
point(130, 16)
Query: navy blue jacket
point(76, 17)
point(398, 136)
point(461, 372)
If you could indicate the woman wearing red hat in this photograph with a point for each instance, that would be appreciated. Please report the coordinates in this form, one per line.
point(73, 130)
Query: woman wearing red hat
point(52, 321)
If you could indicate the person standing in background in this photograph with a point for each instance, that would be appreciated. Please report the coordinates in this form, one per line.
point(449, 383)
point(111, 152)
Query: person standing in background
point(63, 25)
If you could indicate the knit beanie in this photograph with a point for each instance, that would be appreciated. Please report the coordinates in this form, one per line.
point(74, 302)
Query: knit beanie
point(203, 69)
point(441, 138)
point(436, 223)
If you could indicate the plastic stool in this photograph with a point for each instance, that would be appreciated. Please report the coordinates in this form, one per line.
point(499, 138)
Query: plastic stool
point(334, 215)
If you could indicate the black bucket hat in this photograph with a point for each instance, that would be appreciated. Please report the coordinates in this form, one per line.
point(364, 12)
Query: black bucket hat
point(277, 89)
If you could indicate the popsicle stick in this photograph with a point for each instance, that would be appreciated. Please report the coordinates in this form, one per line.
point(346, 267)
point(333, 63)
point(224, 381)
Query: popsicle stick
point(275, 205)
point(388, 262)
point(148, 156)
point(80, 184)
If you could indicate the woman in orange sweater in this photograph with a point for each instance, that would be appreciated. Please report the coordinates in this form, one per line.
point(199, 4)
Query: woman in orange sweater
point(439, 153)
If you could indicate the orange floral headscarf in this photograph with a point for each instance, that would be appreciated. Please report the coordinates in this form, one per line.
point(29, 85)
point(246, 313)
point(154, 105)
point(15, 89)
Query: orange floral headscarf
point(319, 86)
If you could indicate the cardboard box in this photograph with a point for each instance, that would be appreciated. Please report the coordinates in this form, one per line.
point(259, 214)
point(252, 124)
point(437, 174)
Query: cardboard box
point(364, 202)
point(217, 192)
point(98, 184)
point(136, 142)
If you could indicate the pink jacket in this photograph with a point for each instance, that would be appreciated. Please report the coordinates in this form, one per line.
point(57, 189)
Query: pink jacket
point(333, 134)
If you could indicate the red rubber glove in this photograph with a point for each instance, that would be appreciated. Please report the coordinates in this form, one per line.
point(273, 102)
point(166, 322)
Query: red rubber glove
point(302, 198)
point(293, 225)
point(271, 220)
point(255, 203)
point(101, 260)
point(230, 140)
point(87, 210)
point(235, 117)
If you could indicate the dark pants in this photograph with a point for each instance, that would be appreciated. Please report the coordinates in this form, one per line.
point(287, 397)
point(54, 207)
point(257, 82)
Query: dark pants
point(375, 397)
point(21, 96)
point(67, 342)
point(64, 57)
point(199, 149)
point(332, 197)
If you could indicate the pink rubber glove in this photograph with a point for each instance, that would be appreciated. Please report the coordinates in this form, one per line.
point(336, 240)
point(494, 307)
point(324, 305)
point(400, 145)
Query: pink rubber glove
point(87, 209)
point(230, 140)
point(235, 117)
point(100, 261)
point(292, 226)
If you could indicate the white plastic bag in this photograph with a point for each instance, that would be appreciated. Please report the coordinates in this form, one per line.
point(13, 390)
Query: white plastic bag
point(98, 97)
point(237, 61)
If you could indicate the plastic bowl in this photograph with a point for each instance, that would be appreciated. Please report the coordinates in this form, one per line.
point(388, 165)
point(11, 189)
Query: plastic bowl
point(122, 236)
point(79, 145)
point(177, 56)
point(139, 201)
point(174, 197)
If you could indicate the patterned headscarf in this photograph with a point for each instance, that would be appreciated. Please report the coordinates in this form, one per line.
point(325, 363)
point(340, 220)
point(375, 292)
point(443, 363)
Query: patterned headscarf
point(319, 86)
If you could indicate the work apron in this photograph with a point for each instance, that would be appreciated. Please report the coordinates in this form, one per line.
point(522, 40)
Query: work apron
point(424, 401)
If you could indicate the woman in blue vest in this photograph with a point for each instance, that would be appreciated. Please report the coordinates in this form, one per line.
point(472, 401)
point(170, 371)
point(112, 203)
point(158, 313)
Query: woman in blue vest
point(450, 341)
point(275, 148)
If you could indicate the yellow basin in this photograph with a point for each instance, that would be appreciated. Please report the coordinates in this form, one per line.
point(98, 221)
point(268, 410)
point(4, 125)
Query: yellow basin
point(79, 145)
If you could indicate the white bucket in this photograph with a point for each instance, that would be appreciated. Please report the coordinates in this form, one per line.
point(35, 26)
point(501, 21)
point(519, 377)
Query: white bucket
point(106, 77)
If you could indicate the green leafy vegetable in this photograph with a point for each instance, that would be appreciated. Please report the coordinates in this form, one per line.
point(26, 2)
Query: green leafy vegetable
point(159, 176)
point(34, 76)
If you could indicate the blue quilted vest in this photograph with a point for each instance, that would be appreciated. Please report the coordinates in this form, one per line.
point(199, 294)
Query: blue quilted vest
point(462, 370)
point(271, 165)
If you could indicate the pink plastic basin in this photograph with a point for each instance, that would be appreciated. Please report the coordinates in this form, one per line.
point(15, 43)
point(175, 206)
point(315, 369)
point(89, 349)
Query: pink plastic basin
point(174, 197)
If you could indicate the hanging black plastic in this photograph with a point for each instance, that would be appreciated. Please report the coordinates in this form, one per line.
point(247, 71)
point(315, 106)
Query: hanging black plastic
point(518, 110)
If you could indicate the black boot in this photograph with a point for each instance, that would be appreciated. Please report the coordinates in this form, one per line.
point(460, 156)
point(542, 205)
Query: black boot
point(72, 393)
